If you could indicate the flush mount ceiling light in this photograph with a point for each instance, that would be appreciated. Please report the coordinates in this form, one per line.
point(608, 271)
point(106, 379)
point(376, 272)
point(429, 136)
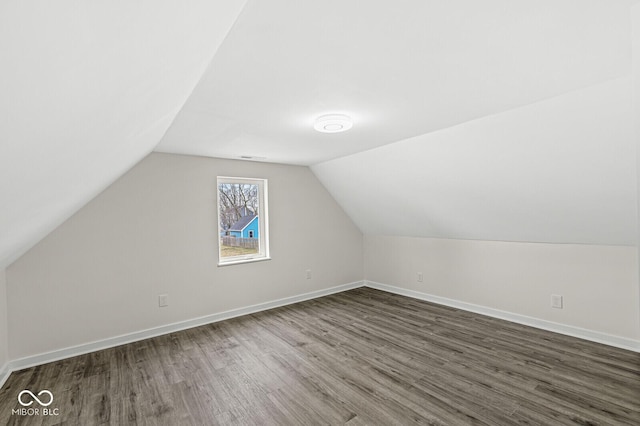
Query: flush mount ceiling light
point(333, 123)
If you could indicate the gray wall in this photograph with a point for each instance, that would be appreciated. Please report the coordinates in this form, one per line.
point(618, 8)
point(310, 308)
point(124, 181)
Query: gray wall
point(154, 231)
point(635, 20)
point(599, 283)
point(4, 340)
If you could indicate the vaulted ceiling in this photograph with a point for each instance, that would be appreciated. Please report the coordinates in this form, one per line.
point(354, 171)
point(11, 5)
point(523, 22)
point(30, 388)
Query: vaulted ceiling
point(400, 69)
point(488, 119)
point(87, 89)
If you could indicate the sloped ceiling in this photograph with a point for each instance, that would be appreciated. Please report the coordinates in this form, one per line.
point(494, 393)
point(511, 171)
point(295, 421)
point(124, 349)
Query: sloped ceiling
point(493, 119)
point(562, 171)
point(88, 88)
point(510, 119)
point(400, 69)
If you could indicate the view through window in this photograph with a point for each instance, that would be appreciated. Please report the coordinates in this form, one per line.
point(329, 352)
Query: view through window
point(242, 220)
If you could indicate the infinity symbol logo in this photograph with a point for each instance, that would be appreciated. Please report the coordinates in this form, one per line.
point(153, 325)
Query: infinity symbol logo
point(35, 398)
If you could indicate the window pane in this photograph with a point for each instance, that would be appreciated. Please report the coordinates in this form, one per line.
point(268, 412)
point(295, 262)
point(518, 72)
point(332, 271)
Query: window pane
point(239, 205)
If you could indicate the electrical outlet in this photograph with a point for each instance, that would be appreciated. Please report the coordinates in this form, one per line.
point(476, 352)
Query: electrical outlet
point(308, 274)
point(163, 300)
point(420, 277)
point(556, 301)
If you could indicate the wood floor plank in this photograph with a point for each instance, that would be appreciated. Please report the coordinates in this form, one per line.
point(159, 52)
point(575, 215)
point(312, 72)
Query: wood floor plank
point(362, 357)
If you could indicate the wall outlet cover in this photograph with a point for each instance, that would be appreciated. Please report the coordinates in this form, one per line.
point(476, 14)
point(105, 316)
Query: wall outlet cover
point(163, 300)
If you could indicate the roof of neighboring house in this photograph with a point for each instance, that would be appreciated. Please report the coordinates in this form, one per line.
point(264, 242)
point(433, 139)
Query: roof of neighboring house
point(242, 223)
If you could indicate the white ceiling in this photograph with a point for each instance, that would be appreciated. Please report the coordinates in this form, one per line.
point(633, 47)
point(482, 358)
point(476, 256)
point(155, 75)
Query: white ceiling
point(561, 171)
point(89, 88)
point(400, 69)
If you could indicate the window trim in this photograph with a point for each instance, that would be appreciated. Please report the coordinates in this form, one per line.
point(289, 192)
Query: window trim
point(263, 221)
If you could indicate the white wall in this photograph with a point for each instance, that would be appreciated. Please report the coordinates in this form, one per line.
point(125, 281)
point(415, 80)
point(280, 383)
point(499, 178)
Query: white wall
point(4, 339)
point(154, 231)
point(599, 283)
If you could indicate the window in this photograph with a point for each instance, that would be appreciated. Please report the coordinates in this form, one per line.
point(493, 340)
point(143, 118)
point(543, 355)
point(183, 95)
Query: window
point(242, 220)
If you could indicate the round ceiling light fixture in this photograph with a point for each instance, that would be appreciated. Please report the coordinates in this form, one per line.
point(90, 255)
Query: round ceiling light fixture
point(333, 123)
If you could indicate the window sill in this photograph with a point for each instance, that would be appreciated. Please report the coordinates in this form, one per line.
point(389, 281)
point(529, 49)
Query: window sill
point(240, 261)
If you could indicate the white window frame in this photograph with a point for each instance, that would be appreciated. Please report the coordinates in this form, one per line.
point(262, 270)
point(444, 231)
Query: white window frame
point(263, 221)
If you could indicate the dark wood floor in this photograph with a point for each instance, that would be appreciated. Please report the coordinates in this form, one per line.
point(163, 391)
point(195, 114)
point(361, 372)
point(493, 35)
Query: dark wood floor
point(359, 357)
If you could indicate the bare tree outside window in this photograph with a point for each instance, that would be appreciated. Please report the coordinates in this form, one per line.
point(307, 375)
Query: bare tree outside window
point(242, 219)
point(236, 201)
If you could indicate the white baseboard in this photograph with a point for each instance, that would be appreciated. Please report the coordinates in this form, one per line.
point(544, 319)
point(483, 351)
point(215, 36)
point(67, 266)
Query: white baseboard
point(110, 342)
point(56, 355)
point(594, 336)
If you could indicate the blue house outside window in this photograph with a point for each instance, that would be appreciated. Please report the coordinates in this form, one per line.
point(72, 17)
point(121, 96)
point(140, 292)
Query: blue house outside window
point(246, 227)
